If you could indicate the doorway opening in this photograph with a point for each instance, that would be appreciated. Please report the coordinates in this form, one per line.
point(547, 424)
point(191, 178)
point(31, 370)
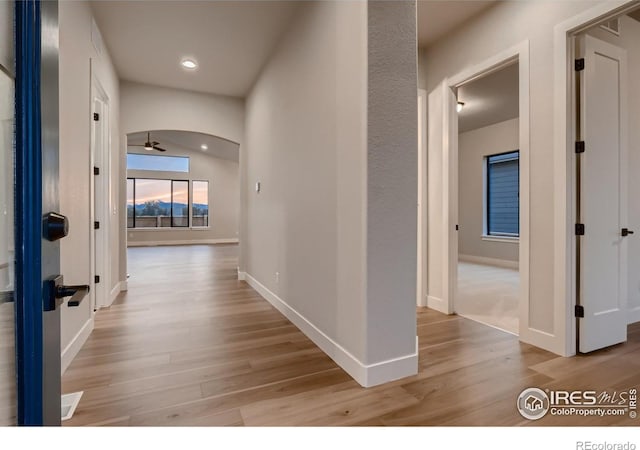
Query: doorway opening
point(476, 244)
point(488, 238)
point(605, 109)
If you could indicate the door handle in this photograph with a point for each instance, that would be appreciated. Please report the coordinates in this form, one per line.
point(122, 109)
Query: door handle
point(626, 232)
point(6, 297)
point(55, 292)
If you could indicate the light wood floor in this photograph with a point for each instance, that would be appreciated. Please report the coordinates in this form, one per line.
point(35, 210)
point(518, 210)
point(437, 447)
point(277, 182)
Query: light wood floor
point(489, 295)
point(191, 345)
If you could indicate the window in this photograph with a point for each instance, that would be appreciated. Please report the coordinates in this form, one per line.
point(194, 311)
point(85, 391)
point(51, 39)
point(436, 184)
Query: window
point(502, 203)
point(157, 203)
point(157, 163)
point(200, 205)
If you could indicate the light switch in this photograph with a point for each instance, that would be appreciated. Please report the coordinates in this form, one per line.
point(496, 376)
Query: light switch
point(257, 186)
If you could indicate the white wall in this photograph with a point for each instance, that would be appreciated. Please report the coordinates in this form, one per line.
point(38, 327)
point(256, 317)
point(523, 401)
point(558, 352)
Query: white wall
point(497, 29)
point(224, 202)
point(329, 105)
point(145, 107)
point(76, 52)
point(473, 147)
point(629, 39)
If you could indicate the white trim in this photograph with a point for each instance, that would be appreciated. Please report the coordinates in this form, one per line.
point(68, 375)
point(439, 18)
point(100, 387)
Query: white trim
point(124, 286)
point(242, 276)
point(564, 161)
point(494, 238)
point(634, 314)
point(437, 304)
point(182, 242)
point(72, 349)
point(366, 374)
point(114, 293)
point(489, 261)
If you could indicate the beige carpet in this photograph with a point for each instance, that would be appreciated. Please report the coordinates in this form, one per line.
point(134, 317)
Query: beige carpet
point(488, 294)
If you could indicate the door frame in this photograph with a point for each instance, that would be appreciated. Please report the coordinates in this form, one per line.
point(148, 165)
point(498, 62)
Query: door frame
point(422, 199)
point(520, 53)
point(564, 163)
point(100, 293)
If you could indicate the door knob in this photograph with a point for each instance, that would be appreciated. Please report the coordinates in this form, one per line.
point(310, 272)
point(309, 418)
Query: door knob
point(626, 232)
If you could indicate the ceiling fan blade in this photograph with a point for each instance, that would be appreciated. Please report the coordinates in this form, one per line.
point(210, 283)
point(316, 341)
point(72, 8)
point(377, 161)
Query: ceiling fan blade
point(154, 143)
point(159, 149)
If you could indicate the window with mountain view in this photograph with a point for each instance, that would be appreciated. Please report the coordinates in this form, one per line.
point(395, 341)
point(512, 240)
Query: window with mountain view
point(157, 203)
point(200, 206)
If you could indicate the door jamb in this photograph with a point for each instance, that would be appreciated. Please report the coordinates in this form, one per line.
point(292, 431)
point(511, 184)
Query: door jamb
point(422, 199)
point(564, 162)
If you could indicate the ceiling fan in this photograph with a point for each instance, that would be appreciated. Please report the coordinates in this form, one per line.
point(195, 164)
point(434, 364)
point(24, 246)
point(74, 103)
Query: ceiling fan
point(149, 145)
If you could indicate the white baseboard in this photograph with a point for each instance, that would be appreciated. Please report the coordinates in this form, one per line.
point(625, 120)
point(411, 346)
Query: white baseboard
point(242, 276)
point(114, 293)
point(182, 242)
point(489, 261)
point(634, 315)
point(438, 304)
point(72, 349)
point(124, 285)
point(367, 375)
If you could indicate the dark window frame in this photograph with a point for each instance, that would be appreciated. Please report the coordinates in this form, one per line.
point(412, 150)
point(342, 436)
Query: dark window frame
point(208, 225)
point(489, 163)
point(188, 225)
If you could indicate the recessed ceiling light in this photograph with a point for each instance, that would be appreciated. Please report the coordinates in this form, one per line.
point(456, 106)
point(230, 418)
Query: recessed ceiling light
point(189, 64)
point(204, 147)
point(459, 106)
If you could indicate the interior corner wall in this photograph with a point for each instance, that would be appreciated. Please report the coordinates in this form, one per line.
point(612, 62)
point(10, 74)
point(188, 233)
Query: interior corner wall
point(392, 180)
point(306, 146)
point(77, 54)
point(629, 39)
point(501, 27)
point(473, 147)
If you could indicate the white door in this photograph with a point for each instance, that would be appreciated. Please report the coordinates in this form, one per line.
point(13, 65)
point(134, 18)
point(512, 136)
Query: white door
point(603, 202)
point(442, 199)
point(101, 209)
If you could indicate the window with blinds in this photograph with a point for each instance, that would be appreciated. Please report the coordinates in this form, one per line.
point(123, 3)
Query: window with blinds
point(503, 194)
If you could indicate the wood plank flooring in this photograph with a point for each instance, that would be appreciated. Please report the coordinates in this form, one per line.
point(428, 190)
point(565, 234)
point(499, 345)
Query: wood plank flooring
point(189, 345)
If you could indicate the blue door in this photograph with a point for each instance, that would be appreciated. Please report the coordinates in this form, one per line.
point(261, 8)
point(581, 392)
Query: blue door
point(30, 285)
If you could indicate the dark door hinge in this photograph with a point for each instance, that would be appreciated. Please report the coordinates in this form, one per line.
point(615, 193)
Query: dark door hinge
point(579, 311)
point(580, 147)
point(96, 279)
point(579, 229)
point(96, 116)
point(96, 225)
point(579, 64)
point(96, 170)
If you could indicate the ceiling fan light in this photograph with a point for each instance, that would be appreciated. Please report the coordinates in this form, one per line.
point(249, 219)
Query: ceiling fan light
point(148, 147)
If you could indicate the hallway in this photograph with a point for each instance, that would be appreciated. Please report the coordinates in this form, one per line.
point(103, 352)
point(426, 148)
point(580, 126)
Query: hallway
point(190, 345)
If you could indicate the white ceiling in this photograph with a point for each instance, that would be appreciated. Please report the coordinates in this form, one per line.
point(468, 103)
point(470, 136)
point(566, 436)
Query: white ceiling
point(177, 142)
point(436, 18)
point(230, 40)
point(490, 99)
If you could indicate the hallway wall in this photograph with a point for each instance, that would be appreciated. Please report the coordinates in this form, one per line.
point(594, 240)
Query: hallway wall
point(78, 56)
point(330, 236)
